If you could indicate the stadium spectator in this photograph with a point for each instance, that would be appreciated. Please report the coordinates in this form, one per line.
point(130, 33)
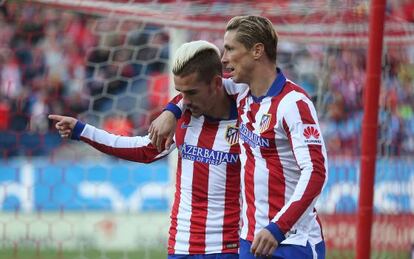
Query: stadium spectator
point(118, 125)
point(10, 76)
point(4, 113)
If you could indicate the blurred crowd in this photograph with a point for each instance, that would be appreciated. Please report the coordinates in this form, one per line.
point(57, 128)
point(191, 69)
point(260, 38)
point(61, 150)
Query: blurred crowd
point(52, 61)
point(115, 75)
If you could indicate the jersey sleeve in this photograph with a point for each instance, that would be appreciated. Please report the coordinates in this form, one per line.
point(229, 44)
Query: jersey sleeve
point(138, 149)
point(300, 124)
point(234, 89)
point(176, 106)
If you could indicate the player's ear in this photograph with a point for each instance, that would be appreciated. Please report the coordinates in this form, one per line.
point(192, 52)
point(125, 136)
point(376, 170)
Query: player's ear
point(217, 81)
point(258, 50)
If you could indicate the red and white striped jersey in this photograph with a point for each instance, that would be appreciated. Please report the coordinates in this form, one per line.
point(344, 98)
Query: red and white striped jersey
point(205, 215)
point(284, 162)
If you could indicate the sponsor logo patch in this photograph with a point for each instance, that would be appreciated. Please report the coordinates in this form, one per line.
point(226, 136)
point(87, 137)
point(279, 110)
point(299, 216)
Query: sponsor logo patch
point(311, 134)
point(251, 138)
point(206, 155)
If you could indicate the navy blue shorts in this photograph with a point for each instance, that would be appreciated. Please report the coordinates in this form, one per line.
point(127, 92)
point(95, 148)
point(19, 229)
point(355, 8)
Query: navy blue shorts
point(286, 251)
point(209, 256)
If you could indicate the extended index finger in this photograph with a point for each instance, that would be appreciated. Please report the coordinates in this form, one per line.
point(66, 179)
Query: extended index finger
point(55, 117)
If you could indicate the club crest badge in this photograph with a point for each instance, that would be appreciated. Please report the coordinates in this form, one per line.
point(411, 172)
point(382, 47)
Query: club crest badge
point(265, 122)
point(232, 135)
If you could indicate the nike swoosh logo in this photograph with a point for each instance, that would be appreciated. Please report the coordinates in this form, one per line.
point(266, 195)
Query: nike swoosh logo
point(185, 126)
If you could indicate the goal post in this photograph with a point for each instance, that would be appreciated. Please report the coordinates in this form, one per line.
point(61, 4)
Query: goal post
point(369, 129)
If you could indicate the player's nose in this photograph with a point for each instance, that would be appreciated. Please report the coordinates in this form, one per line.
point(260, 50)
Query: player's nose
point(186, 101)
point(224, 59)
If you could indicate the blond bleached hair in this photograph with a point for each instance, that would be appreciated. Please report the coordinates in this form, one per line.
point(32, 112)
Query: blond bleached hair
point(198, 56)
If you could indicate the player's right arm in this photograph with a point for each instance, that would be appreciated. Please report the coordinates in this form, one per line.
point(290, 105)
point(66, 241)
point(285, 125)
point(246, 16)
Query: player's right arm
point(233, 89)
point(163, 127)
point(138, 149)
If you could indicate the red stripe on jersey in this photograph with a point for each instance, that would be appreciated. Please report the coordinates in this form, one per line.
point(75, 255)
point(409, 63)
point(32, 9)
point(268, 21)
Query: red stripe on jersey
point(305, 113)
point(316, 181)
point(176, 99)
point(249, 175)
point(232, 205)
point(145, 154)
point(276, 178)
point(199, 201)
point(174, 211)
point(179, 136)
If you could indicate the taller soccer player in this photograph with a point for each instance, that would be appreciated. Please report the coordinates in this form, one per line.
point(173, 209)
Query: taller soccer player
point(283, 155)
point(205, 215)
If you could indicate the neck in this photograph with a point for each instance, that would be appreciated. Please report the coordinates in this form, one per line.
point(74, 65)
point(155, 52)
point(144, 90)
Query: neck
point(262, 78)
point(221, 108)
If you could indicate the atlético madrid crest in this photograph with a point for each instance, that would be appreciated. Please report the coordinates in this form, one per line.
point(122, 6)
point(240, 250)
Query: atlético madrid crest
point(232, 135)
point(265, 122)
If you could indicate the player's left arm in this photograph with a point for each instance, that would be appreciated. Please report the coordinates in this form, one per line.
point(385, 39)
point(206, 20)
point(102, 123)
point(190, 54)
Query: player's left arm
point(301, 126)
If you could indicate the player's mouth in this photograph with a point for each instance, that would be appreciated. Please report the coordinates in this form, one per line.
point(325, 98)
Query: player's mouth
point(228, 72)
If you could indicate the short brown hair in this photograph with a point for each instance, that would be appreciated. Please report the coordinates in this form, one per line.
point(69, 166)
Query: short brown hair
point(255, 29)
point(198, 56)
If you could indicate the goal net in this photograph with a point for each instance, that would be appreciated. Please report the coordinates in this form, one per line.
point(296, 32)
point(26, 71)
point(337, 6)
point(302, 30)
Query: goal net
point(107, 63)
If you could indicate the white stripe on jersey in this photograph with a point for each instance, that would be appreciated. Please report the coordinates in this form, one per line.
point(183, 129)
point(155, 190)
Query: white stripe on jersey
point(245, 220)
point(260, 179)
point(182, 244)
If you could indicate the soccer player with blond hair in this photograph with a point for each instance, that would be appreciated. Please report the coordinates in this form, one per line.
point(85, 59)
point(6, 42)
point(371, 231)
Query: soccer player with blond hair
point(205, 214)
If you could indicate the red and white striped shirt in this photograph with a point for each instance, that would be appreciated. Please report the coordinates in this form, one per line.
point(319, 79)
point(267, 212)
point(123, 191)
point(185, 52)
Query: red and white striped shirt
point(205, 214)
point(284, 162)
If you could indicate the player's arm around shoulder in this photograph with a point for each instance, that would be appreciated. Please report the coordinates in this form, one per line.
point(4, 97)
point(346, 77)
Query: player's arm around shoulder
point(232, 88)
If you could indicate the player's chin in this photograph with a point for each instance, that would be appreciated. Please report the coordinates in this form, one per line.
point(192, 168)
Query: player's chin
point(235, 78)
point(196, 114)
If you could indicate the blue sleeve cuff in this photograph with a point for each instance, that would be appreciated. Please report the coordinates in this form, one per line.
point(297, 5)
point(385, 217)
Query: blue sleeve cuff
point(276, 232)
point(77, 130)
point(174, 109)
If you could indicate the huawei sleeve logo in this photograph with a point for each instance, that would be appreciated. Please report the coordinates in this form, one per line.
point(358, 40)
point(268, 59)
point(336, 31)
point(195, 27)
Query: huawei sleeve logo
point(311, 134)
